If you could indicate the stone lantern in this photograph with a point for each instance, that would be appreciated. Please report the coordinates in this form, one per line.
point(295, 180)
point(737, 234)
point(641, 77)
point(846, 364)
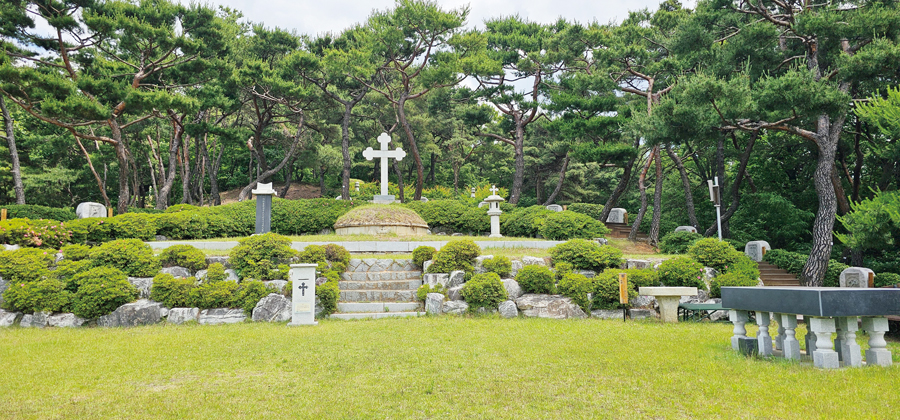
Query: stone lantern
point(494, 211)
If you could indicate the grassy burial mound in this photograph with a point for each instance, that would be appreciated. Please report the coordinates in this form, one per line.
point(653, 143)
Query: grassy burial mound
point(380, 219)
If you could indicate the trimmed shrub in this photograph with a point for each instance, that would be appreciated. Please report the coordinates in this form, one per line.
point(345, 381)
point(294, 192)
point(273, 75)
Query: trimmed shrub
point(606, 291)
point(100, 291)
point(678, 242)
point(311, 216)
point(34, 233)
point(338, 257)
point(328, 295)
point(714, 253)
point(536, 279)
point(259, 256)
point(792, 262)
point(423, 291)
point(450, 214)
point(312, 254)
point(484, 290)
point(455, 255)
point(25, 264)
point(567, 225)
point(92, 229)
point(524, 222)
point(131, 256)
point(744, 266)
point(681, 272)
point(76, 252)
point(66, 269)
point(729, 280)
point(184, 255)
point(637, 277)
point(833, 273)
point(422, 254)
point(576, 286)
point(185, 222)
point(215, 295)
point(36, 296)
point(499, 264)
point(172, 292)
point(886, 279)
point(215, 273)
point(249, 294)
point(562, 268)
point(31, 211)
point(134, 225)
point(592, 210)
point(586, 255)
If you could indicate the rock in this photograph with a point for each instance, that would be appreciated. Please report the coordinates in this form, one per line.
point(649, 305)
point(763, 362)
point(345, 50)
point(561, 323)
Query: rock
point(177, 271)
point(549, 306)
point(637, 314)
point(221, 316)
point(160, 238)
point(526, 260)
point(513, 290)
point(232, 275)
point(479, 263)
point(457, 234)
point(90, 209)
point(218, 259)
point(700, 297)
point(457, 307)
point(435, 279)
point(434, 303)
point(59, 257)
point(642, 301)
point(639, 264)
point(508, 309)
point(163, 311)
point(457, 278)
point(182, 315)
point(142, 312)
point(272, 308)
point(426, 264)
point(516, 266)
point(11, 247)
point(7, 319)
point(607, 313)
point(201, 275)
point(326, 231)
point(3, 286)
point(279, 285)
point(601, 241)
point(455, 293)
point(709, 273)
point(587, 273)
point(143, 284)
point(65, 321)
point(35, 320)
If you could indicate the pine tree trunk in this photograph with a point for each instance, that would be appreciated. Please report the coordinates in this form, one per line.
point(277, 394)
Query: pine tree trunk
point(632, 236)
point(686, 183)
point(657, 201)
point(620, 188)
point(18, 186)
point(559, 183)
point(122, 158)
point(162, 201)
point(413, 147)
point(519, 173)
point(345, 150)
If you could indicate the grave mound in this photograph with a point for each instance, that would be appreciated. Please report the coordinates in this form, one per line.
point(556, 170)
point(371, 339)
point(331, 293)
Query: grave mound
point(381, 219)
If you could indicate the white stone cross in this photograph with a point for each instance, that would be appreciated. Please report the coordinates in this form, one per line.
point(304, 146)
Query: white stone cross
point(494, 189)
point(384, 154)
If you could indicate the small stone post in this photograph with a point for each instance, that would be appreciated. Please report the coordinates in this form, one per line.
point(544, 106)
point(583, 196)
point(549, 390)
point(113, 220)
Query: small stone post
point(739, 319)
point(845, 344)
point(264, 193)
point(494, 211)
point(790, 345)
point(824, 356)
point(877, 354)
point(763, 337)
point(303, 294)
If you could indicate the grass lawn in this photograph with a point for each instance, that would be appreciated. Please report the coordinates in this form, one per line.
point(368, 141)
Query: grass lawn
point(445, 367)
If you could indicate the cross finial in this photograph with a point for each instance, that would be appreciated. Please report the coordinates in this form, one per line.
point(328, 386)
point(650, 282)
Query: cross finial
point(385, 140)
point(494, 189)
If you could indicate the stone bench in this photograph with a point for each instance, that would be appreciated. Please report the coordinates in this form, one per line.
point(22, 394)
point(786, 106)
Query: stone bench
point(668, 298)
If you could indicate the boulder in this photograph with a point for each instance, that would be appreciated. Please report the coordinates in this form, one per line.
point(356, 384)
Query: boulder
point(601, 241)
point(700, 297)
point(3, 286)
point(607, 313)
point(508, 309)
point(218, 259)
point(454, 293)
point(59, 257)
point(479, 263)
point(434, 303)
point(549, 306)
point(272, 308)
point(642, 301)
point(484, 310)
point(434, 279)
point(516, 266)
point(637, 314)
point(163, 311)
point(457, 307)
point(182, 315)
point(709, 273)
point(587, 273)
point(160, 238)
point(426, 264)
point(526, 260)
point(7, 319)
point(177, 271)
point(142, 312)
point(143, 284)
point(11, 247)
point(513, 290)
point(639, 264)
point(201, 275)
point(279, 285)
point(65, 321)
point(35, 320)
point(457, 278)
point(221, 316)
point(232, 275)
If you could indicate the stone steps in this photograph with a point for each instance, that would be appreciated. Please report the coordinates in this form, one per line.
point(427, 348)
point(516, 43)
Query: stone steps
point(377, 307)
point(382, 276)
point(374, 315)
point(380, 285)
point(773, 276)
point(378, 295)
point(622, 230)
point(379, 282)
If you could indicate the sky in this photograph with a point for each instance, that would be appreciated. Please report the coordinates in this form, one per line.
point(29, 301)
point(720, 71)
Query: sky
point(321, 16)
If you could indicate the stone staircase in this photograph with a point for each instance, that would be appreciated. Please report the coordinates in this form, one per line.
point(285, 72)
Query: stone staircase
point(773, 276)
point(621, 231)
point(376, 288)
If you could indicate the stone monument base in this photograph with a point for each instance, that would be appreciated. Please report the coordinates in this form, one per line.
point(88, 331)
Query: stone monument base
point(384, 199)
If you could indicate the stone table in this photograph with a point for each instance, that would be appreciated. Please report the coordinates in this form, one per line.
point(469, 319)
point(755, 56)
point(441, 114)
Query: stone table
point(668, 298)
point(826, 310)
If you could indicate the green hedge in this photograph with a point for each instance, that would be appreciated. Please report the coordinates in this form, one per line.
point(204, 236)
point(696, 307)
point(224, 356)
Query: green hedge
point(593, 210)
point(565, 225)
point(30, 211)
point(40, 233)
point(523, 222)
point(586, 255)
point(793, 263)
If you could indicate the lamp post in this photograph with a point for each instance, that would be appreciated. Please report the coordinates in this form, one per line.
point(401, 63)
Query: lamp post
point(716, 198)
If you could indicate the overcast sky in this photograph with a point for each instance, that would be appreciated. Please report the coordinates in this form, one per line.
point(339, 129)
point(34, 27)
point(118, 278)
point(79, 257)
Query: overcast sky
point(320, 16)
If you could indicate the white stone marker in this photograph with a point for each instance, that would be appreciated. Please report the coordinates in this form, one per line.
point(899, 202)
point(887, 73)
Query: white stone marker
point(617, 215)
point(303, 299)
point(555, 207)
point(90, 209)
point(667, 298)
point(494, 211)
point(686, 229)
point(756, 250)
point(384, 154)
point(856, 277)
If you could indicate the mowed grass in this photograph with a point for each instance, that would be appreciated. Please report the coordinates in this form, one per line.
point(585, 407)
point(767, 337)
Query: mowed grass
point(447, 367)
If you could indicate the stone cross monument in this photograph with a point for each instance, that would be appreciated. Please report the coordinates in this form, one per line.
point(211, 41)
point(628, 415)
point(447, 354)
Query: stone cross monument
point(384, 154)
point(494, 211)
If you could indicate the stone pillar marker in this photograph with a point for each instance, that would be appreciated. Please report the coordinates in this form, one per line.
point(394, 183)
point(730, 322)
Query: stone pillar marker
point(845, 344)
point(739, 319)
point(303, 294)
point(263, 193)
point(494, 211)
point(877, 354)
point(384, 154)
point(763, 337)
point(824, 356)
point(790, 345)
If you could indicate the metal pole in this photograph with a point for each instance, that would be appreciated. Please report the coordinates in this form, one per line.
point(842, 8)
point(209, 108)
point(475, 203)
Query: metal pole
point(718, 208)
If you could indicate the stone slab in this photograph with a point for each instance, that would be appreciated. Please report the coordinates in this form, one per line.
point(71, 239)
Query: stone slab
point(667, 291)
point(814, 301)
point(375, 315)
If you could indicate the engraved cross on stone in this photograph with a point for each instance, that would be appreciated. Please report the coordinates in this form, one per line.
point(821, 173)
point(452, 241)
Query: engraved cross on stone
point(384, 154)
point(494, 189)
point(303, 288)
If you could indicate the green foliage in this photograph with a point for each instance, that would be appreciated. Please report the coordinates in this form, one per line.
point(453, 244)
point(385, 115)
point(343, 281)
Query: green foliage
point(183, 255)
point(562, 268)
point(328, 295)
point(172, 292)
point(66, 269)
point(100, 291)
point(34, 233)
point(773, 218)
point(792, 262)
point(536, 279)
point(132, 256)
point(636, 277)
point(215, 273)
point(576, 286)
point(714, 253)
point(744, 266)
point(298, 217)
point(455, 255)
point(423, 291)
point(484, 290)
point(873, 224)
point(30, 211)
point(25, 264)
point(833, 273)
point(682, 272)
point(455, 215)
point(92, 229)
point(678, 242)
point(423, 253)
point(567, 225)
point(337, 256)
point(258, 257)
point(46, 294)
point(184, 224)
point(606, 291)
point(524, 222)
point(729, 280)
point(75, 252)
point(887, 279)
point(312, 254)
point(499, 264)
point(592, 210)
point(249, 294)
point(215, 295)
point(134, 225)
point(586, 255)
